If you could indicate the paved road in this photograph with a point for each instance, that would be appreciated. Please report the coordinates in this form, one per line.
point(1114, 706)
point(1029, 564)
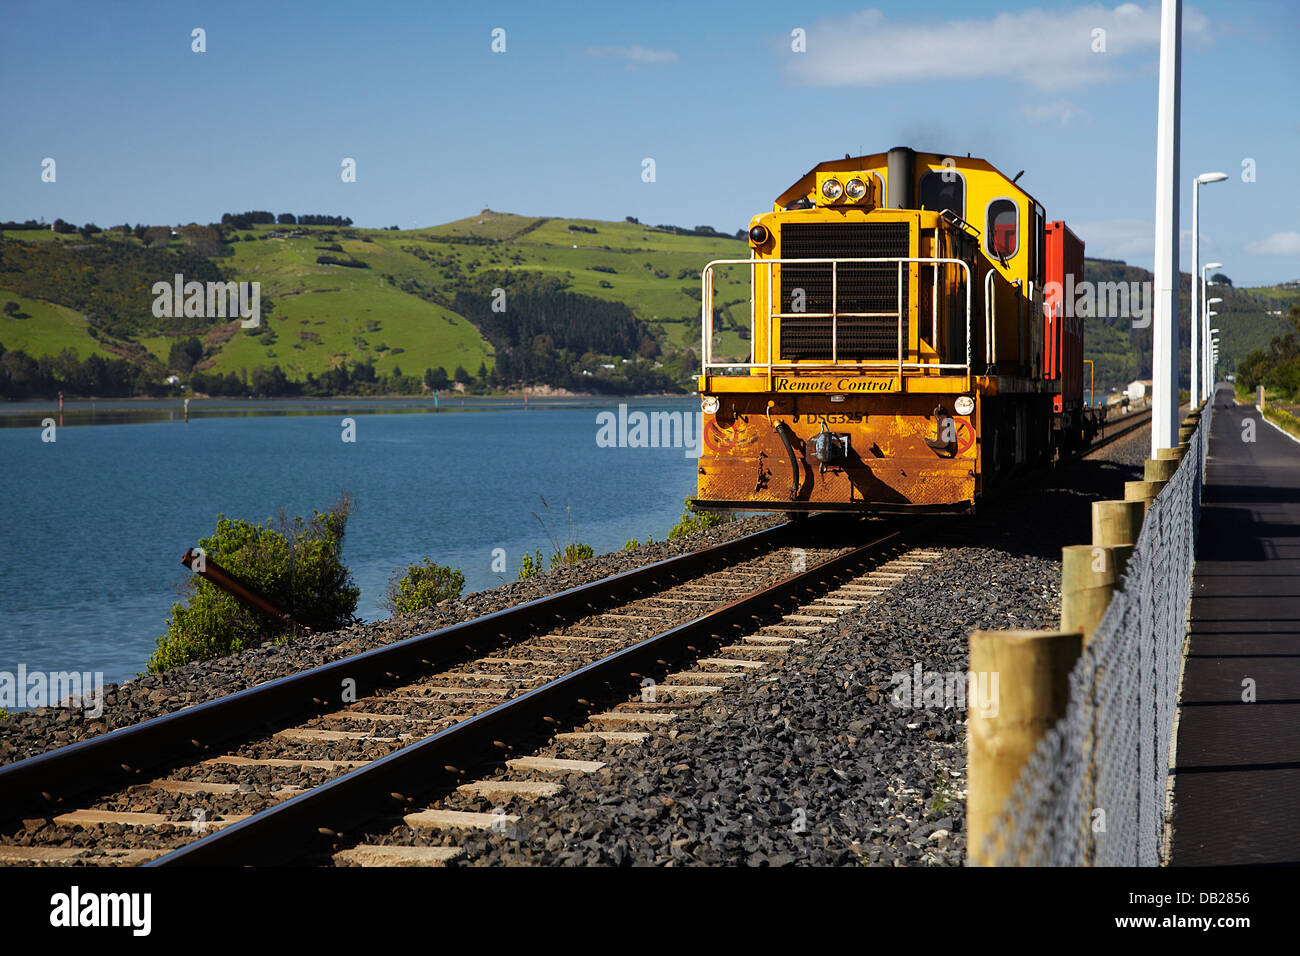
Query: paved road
point(1237, 786)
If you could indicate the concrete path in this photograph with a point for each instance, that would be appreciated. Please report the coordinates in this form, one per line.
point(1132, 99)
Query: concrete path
point(1237, 784)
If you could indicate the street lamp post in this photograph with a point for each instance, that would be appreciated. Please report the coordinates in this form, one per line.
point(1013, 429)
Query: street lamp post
point(1204, 269)
point(1209, 371)
point(1200, 388)
point(1207, 312)
point(1213, 358)
point(1164, 308)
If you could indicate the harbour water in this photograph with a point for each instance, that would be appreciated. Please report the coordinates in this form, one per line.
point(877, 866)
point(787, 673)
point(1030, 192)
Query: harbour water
point(94, 523)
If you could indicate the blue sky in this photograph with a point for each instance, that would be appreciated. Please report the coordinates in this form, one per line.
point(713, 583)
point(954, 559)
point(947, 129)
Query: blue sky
point(144, 130)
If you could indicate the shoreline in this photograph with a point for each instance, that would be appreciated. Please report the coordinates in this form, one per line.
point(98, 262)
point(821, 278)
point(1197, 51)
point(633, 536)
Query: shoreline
point(145, 410)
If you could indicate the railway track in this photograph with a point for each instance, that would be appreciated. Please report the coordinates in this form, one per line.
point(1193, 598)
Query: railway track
point(1122, 426)
point(291, 742)
point(435, 831)
point(586, 704)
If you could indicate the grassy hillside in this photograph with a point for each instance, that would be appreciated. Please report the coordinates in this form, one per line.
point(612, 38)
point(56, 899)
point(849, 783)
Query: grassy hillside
point(38, 327)
point(335, 296)
point(1248, 319)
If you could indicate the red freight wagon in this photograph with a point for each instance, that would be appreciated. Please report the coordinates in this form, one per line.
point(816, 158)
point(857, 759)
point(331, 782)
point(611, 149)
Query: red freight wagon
point(1062, 328)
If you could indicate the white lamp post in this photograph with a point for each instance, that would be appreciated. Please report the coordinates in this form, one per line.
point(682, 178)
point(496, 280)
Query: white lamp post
point(1164, 332)
point(1200, 389)
point(1209, 363)
point(1204, 269)
point(1207, 312)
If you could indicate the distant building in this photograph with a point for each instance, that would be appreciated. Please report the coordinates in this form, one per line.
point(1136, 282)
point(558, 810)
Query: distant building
point(1138, 389)
point(173, 380)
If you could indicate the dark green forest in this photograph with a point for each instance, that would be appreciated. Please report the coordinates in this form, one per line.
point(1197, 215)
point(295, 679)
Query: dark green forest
point(562, 338)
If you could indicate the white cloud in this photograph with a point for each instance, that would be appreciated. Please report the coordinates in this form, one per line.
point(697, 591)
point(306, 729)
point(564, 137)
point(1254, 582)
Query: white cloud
point(634, 55)
point(1048, 49)
point(1060, 112)
point(1126, 239)
point(1278, 244)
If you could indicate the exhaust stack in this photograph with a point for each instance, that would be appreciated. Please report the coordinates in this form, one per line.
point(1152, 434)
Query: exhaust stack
point(900, 166)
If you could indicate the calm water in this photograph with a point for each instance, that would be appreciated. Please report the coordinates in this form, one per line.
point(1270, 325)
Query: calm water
point(93, 525)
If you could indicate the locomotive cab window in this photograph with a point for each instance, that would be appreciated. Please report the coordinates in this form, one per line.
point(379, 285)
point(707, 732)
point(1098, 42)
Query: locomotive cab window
point(937, 195)
point(1002, 233)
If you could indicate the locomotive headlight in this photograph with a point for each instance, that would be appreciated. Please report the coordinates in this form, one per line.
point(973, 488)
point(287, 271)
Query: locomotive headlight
point(758, 235)
point(964, 404)
point(832, 189)
point(709, 404)
point(855, 189)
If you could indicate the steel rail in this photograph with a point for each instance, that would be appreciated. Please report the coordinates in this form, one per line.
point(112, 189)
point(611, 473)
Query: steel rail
point(1137, 419)
point(110, 761)
point(308, 824)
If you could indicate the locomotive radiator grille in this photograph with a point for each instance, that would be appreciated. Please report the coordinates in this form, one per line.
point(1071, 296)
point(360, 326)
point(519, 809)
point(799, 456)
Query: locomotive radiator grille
point(862, 287)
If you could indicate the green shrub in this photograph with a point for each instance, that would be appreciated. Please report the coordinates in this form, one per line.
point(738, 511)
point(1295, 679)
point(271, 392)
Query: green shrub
point(530, 565)
point(4, 714)
point(693, 521)
point(1282, 419)
point(294, 563)
point(572, 553)
point(631, 544)
point(561, 554)
point(423, 586)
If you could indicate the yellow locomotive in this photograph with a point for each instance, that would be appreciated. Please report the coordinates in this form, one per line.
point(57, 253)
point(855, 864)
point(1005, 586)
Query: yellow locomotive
point(898, 335)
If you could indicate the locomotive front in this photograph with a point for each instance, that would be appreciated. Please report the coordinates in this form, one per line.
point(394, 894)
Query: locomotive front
point(894, 363)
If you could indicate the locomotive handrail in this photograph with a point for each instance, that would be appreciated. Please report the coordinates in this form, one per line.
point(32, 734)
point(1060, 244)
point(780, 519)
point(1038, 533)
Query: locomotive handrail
point(990, 320)
point(957, 220)
point(706, 312)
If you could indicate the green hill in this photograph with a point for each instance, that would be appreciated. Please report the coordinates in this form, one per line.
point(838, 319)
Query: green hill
point(1248, 319)
point(589, 305)
point(333, 297)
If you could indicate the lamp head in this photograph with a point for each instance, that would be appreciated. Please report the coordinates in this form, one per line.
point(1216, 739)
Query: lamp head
point(1211, 177)
point(1212, 265)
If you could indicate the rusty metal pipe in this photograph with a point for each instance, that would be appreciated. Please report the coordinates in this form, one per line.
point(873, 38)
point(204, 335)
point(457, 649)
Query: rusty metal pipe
point(786, 434)
point(239, 590)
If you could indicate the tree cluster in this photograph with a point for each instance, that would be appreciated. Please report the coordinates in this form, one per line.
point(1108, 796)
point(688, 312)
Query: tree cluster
point(260, 217)
point(546, 333)
point(1276, 367)
point(23, 376)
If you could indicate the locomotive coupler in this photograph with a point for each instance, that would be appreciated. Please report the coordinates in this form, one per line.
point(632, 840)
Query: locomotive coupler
point(829, 448)
point(945, 432)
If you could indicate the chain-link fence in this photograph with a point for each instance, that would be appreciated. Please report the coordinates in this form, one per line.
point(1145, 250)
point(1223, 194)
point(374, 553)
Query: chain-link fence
point(1094, 791)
